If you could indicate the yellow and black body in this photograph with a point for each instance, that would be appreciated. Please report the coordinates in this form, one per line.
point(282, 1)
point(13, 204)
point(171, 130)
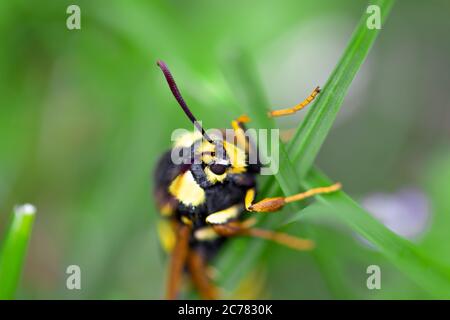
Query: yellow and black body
point(202, 194)
point(202, 198)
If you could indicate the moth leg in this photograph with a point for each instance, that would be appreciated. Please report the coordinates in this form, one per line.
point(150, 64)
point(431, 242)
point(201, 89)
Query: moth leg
point(198, 270)
point(225, 223)
point(294, 109)
point(244, 228)
point(178, 261)
point(276, 203)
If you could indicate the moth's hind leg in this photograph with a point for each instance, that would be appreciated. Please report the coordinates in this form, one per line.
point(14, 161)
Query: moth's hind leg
point(294, 109)
point(178, 261)
point(199, 272)
point(245, 228)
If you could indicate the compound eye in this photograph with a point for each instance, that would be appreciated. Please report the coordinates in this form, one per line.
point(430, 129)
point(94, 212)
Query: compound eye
point(218, 169)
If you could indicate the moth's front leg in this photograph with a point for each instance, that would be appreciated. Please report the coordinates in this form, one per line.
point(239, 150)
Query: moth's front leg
point(276, 203)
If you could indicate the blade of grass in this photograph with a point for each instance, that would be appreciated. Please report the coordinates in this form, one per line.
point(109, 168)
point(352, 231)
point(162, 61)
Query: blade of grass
point(241, 74)
point(321, 116)
point(14, 248)
point(306, 144)
point(246, 251)
point(429, 274)
point(312, 132)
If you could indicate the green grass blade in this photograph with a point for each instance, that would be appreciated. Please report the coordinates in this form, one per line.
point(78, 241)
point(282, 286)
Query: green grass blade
point(14, 249)
point(312, 132)
point(307, 142)
point(308, 138)
point(240, 258)
point(407, 257)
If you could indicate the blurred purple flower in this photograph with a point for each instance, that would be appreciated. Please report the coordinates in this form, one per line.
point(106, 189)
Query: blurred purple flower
point(406, 212)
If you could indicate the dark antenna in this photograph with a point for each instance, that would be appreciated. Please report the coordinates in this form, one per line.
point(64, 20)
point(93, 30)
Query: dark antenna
point(176, 93)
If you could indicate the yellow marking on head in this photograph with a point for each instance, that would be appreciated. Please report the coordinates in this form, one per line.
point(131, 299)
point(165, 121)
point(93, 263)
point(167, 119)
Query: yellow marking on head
point(166, 235)
point(206, 233)
point(212, 177)
point(237, 157)
point(187, 139)
point(186, 190)
point(207, 158)
point(223, 216)
point(249, 197)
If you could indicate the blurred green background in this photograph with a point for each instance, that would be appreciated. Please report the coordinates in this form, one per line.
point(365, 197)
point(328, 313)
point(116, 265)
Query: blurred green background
point(84, 115)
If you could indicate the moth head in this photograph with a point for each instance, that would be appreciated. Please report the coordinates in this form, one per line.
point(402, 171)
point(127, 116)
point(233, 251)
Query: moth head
point(221, 158)
point(218, 156)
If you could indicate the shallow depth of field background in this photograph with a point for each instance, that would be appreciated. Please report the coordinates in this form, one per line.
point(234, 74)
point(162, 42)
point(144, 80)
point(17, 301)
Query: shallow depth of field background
point(85, 114)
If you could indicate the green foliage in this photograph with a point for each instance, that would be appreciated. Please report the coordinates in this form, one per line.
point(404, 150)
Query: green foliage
point(13, 250)
point(304, 148)
point(311, 134)
point(410, 259)
point(86, 113)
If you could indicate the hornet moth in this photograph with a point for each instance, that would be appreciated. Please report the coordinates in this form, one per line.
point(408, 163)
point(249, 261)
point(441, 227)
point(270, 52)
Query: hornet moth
point(202, 202)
